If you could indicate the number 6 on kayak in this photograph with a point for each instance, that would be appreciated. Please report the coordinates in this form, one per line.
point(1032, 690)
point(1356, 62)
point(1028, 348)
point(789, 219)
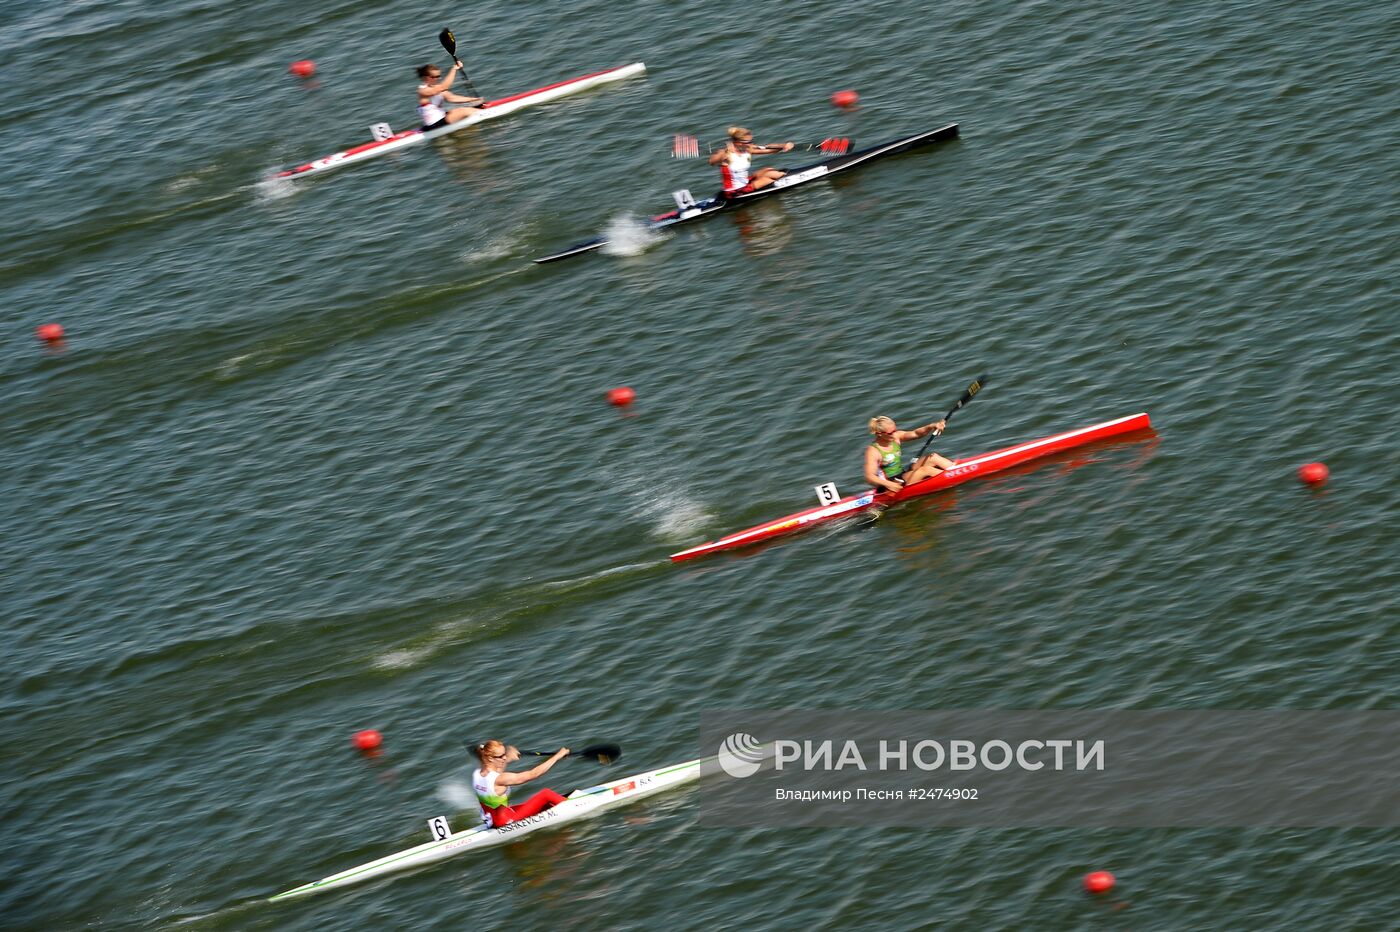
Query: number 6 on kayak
point(439, 829)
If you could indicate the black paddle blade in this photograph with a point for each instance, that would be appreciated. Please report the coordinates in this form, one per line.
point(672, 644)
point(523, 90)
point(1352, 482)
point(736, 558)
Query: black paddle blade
point(602, 753)
point(449, 42)
point(968, 395)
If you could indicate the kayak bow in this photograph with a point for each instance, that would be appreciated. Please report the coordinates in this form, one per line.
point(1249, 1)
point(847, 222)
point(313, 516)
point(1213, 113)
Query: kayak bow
point(489, 111)
point(580, 804)
point(687, 209)
point(961, 471)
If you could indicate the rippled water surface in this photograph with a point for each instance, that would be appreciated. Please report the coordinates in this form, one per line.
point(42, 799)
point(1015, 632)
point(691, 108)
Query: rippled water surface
point(335, 456)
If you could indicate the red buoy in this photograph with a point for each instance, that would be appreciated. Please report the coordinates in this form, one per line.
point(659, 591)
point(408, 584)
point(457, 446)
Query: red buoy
point(621, 397)
point(367, 740)
point(1313, 473)
point(845, 98)
point(1099, 881)
point(302, 69)
point(49, 333)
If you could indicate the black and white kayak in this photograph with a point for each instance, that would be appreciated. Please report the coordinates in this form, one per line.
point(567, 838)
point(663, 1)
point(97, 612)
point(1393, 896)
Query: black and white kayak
point(687, 208)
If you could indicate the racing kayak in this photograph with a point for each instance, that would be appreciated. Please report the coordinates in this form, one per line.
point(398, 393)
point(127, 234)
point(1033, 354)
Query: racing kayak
point(387, 141)
point(688, 209)
point(960, 472)
point(580, 805)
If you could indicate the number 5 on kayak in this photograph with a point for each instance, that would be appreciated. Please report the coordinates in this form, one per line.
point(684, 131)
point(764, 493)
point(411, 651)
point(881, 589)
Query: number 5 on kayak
point(893, 481)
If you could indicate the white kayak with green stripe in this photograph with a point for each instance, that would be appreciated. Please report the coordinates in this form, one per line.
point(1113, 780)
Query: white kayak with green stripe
point(580, 805)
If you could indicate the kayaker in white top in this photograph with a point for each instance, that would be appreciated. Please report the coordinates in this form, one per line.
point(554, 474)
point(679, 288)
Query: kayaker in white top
point(733, 161)
point(492, 783)
point(433, 93)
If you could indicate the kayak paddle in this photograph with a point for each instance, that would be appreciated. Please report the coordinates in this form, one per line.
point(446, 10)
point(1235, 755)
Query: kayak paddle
point(449, 42)
point(876, 511)
point(688, 147)
point(602, 753)
point(967, 396)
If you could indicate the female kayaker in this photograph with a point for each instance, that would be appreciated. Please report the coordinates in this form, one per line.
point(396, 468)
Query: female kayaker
point(492, 783)
point(733, 161)
point(884, 466)
point(432, 93)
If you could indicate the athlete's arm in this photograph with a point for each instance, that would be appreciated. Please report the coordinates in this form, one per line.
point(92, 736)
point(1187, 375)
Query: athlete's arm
point(525, 776)
point(428, 90)
point(918, 432)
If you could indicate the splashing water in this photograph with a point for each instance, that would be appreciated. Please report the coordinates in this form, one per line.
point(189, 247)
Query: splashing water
point(628, 236)
point(190, 179)
point(500, 247)
point(271, 189)
point(681, 520)
point(457, 793)
point(675, 516)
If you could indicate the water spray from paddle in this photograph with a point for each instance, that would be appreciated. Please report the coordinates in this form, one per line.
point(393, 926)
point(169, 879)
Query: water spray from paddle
point(628, 236)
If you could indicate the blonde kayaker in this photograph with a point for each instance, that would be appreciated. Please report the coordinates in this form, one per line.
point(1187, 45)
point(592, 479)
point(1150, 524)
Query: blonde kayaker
point(493, 783)
point(884, 462)
point(733, 161)
point(433, 93)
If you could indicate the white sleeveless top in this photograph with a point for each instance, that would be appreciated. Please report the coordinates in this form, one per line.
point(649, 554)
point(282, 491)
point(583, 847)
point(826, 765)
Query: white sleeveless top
point(487, 792)
point(735, 172)
point(431, 111)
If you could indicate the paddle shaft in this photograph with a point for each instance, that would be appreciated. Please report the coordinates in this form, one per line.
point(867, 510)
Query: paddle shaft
point(603, 753)
point(967, 396)
point(836, 145)
point(449, 42)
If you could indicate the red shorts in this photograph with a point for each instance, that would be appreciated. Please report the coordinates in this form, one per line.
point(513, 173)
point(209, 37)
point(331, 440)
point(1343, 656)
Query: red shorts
point(746, 189)
point(536, 804)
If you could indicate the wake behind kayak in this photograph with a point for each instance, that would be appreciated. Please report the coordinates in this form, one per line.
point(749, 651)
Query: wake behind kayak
point(688, 209)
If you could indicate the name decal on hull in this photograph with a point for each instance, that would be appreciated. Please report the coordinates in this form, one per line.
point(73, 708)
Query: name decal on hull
point(798, 177)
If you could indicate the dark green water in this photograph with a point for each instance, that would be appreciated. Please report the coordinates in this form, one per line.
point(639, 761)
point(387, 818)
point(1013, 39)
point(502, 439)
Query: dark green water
point(335, 457)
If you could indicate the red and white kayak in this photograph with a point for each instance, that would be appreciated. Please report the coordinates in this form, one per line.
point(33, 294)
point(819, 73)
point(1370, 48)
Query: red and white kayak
point(961, 471)
point(387, 141)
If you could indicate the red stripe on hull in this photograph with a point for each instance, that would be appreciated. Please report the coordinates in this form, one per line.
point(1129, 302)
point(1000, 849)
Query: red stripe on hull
point(336, 158)
point(354, 151)
point(550, 87)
